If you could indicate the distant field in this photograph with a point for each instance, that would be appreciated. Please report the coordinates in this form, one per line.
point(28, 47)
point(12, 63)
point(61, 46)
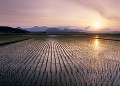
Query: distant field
point(6, 39)
point(60, 60)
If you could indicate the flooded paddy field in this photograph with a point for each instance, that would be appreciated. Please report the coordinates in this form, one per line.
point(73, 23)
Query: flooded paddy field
point(61, 60)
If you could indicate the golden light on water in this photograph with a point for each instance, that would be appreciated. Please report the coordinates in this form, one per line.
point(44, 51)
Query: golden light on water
point(96, 45)
point(96, 42)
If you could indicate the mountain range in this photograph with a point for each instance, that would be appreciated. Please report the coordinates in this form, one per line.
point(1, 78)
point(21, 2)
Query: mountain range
point(49, 30)
point(35, 29)
point(52, 30)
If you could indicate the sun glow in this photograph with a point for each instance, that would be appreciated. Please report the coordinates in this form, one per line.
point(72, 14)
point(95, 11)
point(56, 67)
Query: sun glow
point(97, 25)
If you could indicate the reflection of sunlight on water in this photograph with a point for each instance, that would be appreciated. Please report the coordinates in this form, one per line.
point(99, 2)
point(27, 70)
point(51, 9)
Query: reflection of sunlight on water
point(95, 61)
point(96, 47)
point(96, 44)
point(94, 64)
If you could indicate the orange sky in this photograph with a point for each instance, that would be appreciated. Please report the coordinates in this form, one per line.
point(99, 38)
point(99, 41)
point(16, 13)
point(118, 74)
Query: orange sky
point(81, 13)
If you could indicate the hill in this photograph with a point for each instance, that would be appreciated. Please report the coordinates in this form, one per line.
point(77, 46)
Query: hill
point(9, 30)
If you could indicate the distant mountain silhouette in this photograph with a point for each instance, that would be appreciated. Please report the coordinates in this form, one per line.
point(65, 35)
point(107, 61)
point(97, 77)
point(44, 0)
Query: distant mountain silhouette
point(54, 29)
point(116, 32)
point(36, 29)
point(6, 29)
point(51, 30)
point(62, 31)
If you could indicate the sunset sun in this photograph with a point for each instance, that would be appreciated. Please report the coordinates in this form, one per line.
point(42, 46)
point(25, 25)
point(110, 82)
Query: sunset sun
point(97, 25)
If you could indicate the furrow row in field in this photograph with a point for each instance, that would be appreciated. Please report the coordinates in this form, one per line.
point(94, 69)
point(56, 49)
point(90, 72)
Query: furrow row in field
point(50, 62)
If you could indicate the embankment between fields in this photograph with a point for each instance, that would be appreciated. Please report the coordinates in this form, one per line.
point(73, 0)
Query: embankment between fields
point(10, 42)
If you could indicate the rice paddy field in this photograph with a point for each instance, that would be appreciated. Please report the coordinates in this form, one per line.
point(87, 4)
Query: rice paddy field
point(60, 60)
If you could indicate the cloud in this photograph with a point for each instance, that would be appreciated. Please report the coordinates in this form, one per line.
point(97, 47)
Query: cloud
point(108, 9)
point(87, 28)
point(21, 7)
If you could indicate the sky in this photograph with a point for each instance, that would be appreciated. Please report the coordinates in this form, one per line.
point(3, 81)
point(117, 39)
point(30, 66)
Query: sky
point(52, 13)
